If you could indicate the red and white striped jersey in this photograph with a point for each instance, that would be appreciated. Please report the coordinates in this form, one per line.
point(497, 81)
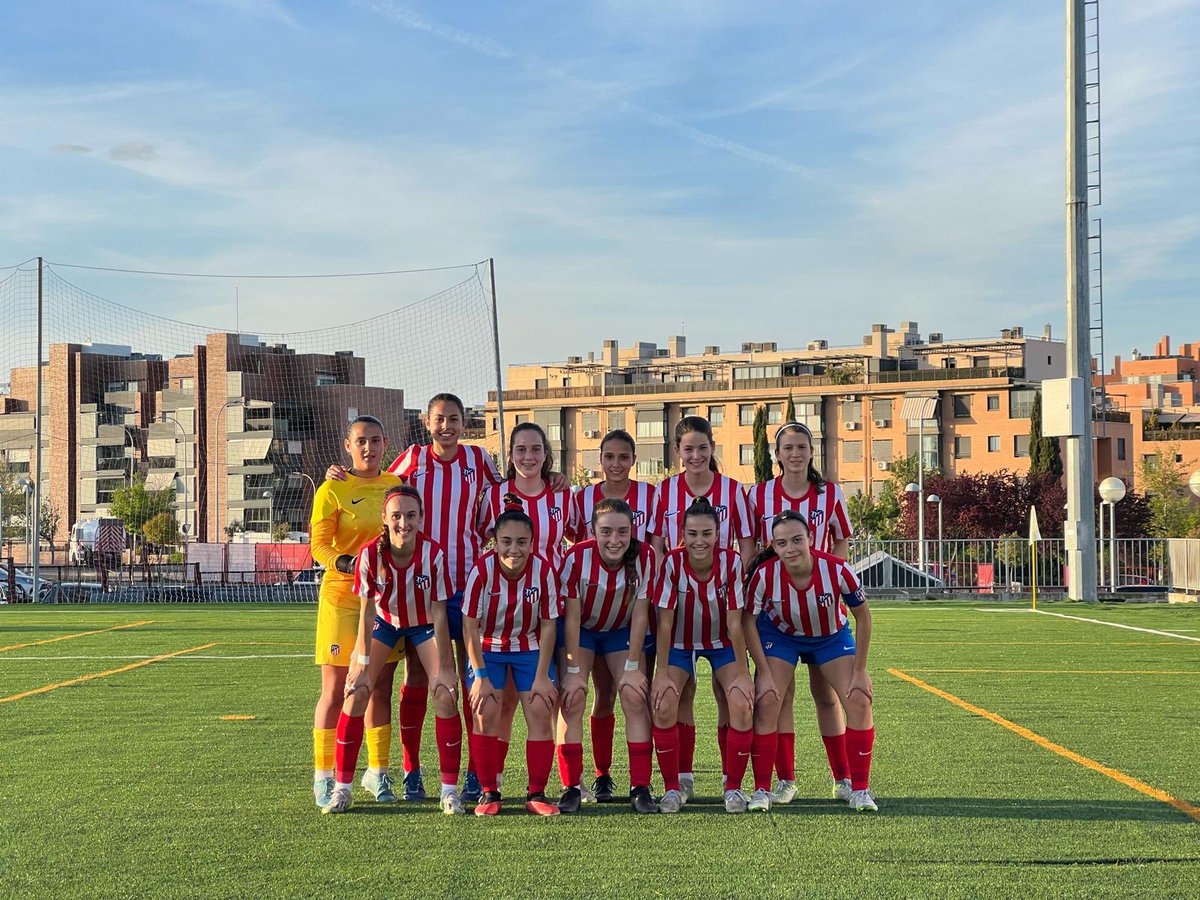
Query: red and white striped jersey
point(825, 512)
point(672, 498)
point(403, 595)
point(604, 603)
point(551, 511)
point(640, 498)
point(814, 610)
point(450, 492)
point(510, 610)
point(701, 607)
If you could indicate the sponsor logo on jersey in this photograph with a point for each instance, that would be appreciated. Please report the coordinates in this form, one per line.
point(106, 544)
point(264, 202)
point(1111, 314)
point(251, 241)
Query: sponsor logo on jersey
point(422, 581)
point(530, 594)
point(825, 600)
point(816, 517)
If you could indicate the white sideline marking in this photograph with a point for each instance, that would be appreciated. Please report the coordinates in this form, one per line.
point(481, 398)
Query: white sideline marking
point(982, 609)
point(101, 658)
point(1182, 637)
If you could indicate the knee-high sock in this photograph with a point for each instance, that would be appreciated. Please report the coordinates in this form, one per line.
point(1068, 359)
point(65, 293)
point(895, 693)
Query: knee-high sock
point(570, 764)
point(762, 755)
point(324, 750)
point(687, 746)
point(722, 740)
point(602, 742)
point(413, 702)
point(666, 748)
point(739, 745)
point(486, 761)
point(859, 746)
point(539, 757)
point(785, 756)
point(349, 742)
point(449, 734)
point(835, 751)
point(640, 754)
point(379, 746)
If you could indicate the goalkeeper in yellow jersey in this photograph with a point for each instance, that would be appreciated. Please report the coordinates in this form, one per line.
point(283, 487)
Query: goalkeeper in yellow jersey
point(346, 515)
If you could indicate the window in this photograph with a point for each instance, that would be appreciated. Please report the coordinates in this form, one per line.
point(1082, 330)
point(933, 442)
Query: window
point(105, 488)
point(649, 425)
point(718, 454)
point(716, 416)
point(851, 410)
point(1020, 403)
point(746, 454)
point(745, 413)
point(881, 410)
point(616, 420)
point(949, 363)
point(852, 451)
point(540, 384)
point(1120, 448)
point(551, 422)
point(881, 451)
point(962, 448)
point(994, 443)
point(979, 362)
point(962, 406)
point(852, 488)
point(689, 411)
point(324, 379)
point(774, 413)
point(993, 402)
point(652, 466)
point(590, 421)
point(1049, 360)
point(1021, 446)
point(521, 418)
point(591, 460)
point(741, 373)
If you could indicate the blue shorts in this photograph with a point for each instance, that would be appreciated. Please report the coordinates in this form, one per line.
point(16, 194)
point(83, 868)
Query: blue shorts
point(522, 663)
point(603, 643)
point(650, 644)
point(686, 659)
point(560, 633)
point(454, 616)
point(812, 651)
point(390, 635)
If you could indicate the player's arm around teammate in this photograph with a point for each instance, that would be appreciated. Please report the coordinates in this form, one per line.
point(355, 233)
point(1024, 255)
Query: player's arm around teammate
point(797, 597)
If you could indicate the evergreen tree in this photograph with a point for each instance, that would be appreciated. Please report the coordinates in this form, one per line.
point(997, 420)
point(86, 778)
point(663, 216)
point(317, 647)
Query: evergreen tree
point(1045, 455)
point(762, 453)
point(789, 414)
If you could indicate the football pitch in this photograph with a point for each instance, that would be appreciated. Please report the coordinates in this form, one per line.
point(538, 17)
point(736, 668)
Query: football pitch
point(166, 751)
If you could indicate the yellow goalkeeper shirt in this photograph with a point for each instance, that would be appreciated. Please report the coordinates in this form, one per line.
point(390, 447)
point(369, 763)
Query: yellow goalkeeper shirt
point(346, 514)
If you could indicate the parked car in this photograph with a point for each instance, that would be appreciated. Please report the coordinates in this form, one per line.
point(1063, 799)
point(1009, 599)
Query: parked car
point(24, 585)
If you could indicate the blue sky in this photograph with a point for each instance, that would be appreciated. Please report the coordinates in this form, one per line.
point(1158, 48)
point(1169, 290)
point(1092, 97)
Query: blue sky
point(750, 170)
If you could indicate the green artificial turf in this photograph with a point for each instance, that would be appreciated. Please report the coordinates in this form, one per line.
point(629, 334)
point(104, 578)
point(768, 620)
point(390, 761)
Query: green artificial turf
point(132, 784)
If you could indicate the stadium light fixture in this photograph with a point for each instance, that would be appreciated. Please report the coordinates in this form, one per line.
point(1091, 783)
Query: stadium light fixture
point(934, 498)
point(1194, 483)
point(1112, 491)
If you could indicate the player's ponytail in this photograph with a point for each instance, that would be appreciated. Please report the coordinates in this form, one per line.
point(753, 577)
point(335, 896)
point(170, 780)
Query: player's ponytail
point(513, 511)
point(764, 556)
point(702, 507)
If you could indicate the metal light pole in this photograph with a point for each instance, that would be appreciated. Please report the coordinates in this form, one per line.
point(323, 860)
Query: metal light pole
point(221, 443)
point(914, 488)
point(921, 490)
point(1080, 525)
point(270, 513)
point(27, 486)
point(934, 498)
point(305, 476)
point(1112, 492)
point(186, 520)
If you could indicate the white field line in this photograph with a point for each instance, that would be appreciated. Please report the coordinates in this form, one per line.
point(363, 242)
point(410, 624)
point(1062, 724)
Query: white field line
point(1182, 637)
point(4, 659)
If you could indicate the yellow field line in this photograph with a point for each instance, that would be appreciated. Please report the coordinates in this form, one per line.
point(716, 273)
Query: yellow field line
point(1029, 643)
point(1127, 780)
point(1060, 671)
point(80, 680)
point(67, 637)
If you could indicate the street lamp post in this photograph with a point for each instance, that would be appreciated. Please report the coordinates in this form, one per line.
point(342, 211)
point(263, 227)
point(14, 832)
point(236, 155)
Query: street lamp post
point(222, 443)
point(186, 520)
point(304, 476)
point(268, 493)
point(27, 486)
point(934, 498)
point(915, 488)
point(1112, 492)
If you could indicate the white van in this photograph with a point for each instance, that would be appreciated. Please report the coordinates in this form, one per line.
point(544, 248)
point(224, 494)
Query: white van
point(90, 537)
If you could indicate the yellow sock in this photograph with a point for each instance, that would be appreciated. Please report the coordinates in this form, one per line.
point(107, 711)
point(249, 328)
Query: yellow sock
point(379, 746)
point(324, 749)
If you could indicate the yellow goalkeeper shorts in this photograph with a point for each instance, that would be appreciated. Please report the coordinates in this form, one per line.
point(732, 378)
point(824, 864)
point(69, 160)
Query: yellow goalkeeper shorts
point(337, 632)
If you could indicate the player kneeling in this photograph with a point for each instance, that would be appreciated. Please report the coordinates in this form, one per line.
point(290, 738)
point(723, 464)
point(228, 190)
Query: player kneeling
point(402, 580)
point(606, 584)
point(796, 614)
point(509, 607)
point(700, 600)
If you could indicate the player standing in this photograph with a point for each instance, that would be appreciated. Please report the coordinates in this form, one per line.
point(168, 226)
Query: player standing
point(346, 514)
point(821, 503)
point(402, 580)
point(797, 595)
point(605, 585)
point(700, 600)
point(509, 613)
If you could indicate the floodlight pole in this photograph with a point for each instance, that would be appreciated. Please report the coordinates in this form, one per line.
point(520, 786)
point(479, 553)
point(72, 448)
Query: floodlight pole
point(499, 377)
point(37, 479)
point(1080, 526)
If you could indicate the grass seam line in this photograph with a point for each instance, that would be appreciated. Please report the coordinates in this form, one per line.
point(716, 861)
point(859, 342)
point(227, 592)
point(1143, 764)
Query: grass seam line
point(67, 637)
point(83, 678)
point(1047, 744)
point(1182, 637)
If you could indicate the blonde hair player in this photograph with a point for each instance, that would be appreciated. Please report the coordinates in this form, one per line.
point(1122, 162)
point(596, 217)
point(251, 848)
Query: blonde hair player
point(345, 515)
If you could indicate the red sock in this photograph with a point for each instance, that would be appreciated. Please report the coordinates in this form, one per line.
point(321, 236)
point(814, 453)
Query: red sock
point(785, 756)
point(722, 742)
point(687, 745)
point(639, 763)
point(486, 761)
point(666, 748)
point(449, 734)
point(738, 746)
point(762, 753)
point(570, 764)
point(501, 755)
point(413, 701)
point(859, 745)
point(539, 757)
point(835, 750)
point(469, 727)
point(602, 742)
point(349, 742)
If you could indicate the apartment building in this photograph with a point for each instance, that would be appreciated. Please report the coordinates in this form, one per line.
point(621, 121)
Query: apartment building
point(232, 426)
point(978, 395)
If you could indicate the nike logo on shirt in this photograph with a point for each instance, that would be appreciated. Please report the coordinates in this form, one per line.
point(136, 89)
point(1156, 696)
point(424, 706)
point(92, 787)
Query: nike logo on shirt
point(357, 501)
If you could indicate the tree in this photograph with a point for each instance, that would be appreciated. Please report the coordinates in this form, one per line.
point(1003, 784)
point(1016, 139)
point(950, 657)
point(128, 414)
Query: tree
point(162, 530)
point(135, 506)
point(876, 517)
point(233, 529)
point(1045, 456)
point(789, 414)
point(12, 502)
point(281, 531)
point(48, 522)
point(762, 453)
point(1172, 513)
